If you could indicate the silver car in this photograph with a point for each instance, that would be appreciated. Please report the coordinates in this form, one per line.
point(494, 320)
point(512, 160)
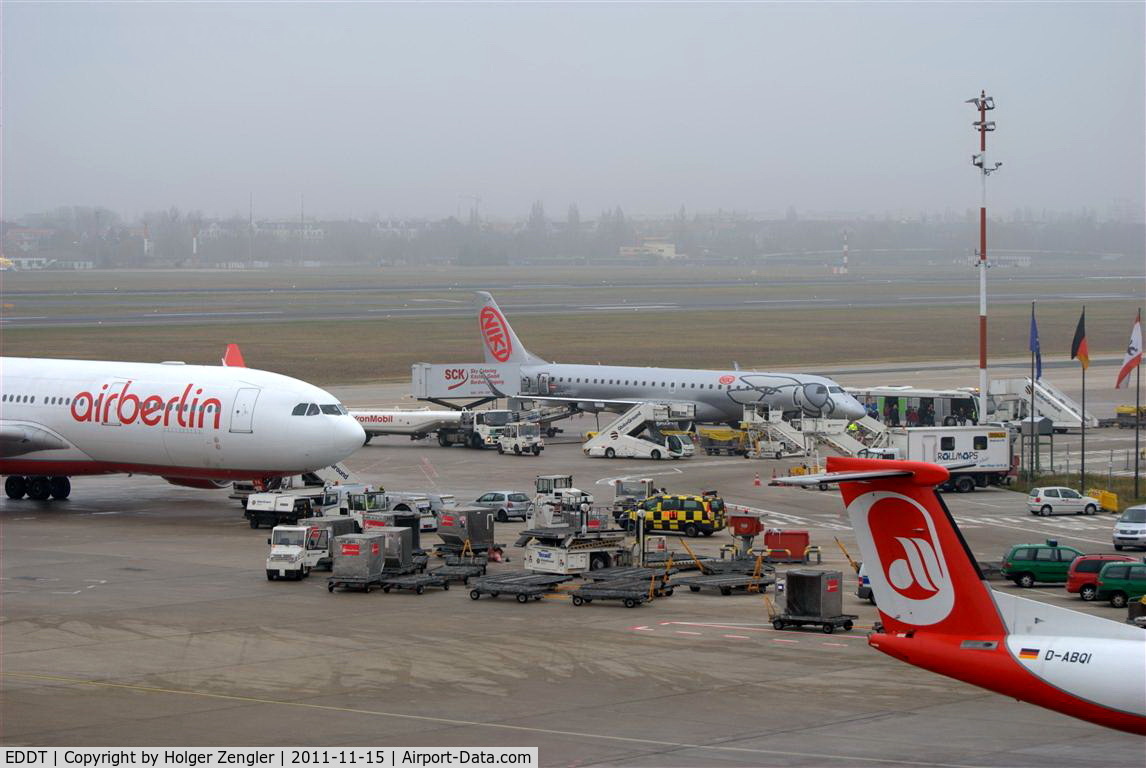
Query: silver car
point(506, 504)
point(1130, 530)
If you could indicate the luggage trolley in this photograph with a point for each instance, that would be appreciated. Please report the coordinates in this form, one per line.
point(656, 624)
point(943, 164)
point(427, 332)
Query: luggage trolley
point(522, 584)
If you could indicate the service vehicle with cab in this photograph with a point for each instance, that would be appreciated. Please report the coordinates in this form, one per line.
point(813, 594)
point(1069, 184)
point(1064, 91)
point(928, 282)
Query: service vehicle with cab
point(1057, 500)
point(1082, 577)
point(1121, 582)
point(1029, 564)
point(691, 515)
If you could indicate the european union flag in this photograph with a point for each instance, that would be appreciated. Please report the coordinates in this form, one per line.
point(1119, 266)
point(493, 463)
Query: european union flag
point(1034, 345)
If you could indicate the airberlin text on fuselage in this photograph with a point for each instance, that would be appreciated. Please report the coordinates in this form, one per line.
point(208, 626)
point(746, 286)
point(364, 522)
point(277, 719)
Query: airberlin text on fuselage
point(150, 410)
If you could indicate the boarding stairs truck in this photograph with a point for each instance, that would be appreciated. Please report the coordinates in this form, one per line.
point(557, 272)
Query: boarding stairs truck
point(1012, 399)
point(988, 450)
point(296, 550)
point(567, 535)
point(835, 433)
point(636, 434)
point(769, 436)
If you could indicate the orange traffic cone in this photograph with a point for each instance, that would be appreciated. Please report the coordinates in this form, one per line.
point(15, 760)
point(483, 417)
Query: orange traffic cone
point(757, 480)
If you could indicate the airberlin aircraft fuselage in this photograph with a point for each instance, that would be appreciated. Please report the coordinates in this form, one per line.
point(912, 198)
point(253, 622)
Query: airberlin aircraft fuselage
point(193, 424)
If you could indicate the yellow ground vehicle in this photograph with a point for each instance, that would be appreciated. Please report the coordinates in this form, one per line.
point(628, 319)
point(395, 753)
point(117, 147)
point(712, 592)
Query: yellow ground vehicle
point(689, 514)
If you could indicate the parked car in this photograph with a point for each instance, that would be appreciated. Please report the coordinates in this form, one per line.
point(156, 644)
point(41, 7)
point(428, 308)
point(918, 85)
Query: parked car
point(1121, 582)
point(506, 504)
point(1130, 530)
point(1082, 576)
point(1057, 500)
point(1028, 564)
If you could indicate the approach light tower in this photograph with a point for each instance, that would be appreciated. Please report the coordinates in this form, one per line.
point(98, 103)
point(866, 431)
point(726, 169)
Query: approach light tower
point(983, 103)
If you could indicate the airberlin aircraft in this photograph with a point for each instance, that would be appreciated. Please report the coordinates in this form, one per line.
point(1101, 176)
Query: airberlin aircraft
point(719, 396)
point(194, 425)
point(939, 613)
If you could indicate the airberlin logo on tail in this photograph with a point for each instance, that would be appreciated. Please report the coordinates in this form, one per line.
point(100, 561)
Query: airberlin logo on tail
point(126, 407)
point(495, 331)
point(909, 557)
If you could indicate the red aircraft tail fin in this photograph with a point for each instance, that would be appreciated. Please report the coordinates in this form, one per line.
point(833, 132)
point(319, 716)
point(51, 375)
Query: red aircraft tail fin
point(233, 358)
point(923, 575)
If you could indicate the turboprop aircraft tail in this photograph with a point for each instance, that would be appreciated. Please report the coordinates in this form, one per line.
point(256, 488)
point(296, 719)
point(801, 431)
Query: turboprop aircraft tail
point(501, 343)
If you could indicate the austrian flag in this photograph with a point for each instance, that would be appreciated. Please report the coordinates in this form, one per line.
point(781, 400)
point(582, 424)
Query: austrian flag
point(1133, 357)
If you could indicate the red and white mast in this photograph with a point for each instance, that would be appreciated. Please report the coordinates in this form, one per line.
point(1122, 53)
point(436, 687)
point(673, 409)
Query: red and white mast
point(983, 103)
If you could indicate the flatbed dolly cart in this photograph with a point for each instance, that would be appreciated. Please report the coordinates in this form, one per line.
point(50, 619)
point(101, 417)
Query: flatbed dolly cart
point(346, 582)
point(630, 593)
point(415, 582)
point(458, 573)
point(522, 584)
point(827, 625)
point(725, 582)
point(627, 573)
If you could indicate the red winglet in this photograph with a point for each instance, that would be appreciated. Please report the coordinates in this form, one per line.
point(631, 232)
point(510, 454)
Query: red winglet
point(233, 358)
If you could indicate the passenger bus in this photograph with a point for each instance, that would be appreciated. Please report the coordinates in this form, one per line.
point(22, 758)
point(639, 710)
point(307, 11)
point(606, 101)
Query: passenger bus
point(911, 407)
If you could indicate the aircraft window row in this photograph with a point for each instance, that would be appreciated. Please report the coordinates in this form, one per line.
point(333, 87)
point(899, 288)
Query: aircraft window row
point(313, 409)
point(634, 382)
point(18, 399)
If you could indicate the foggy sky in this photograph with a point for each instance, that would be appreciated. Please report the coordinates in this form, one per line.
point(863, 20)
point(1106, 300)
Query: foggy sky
point(397, 109)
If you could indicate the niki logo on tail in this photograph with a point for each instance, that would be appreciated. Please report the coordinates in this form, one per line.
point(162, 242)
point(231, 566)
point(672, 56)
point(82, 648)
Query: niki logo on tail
point(938, 612)
point(496, 334)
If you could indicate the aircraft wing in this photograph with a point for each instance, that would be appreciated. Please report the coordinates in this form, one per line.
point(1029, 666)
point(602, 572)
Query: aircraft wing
point(17, 439)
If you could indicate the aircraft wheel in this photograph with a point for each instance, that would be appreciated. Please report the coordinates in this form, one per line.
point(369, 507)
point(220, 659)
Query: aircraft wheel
point(60, 487)
point(15, 486)
point(610, 453)
point(39, 489)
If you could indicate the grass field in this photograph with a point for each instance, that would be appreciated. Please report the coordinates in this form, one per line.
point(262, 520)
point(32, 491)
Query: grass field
point(347, 352)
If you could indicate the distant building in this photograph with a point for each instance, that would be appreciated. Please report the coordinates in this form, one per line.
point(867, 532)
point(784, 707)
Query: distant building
point(651, 248)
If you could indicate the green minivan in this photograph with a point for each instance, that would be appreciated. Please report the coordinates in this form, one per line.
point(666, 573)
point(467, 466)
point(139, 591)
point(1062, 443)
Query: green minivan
point(1121, 582)
point(1029, 564)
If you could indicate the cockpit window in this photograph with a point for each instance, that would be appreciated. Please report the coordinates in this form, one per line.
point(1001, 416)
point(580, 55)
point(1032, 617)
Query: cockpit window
point(299, 410)
point(333, 410)
point(312, 409)
point(835, 390)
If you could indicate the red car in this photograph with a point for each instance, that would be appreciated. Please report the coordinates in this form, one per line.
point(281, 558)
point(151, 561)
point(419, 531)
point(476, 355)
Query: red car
point(1082, 577)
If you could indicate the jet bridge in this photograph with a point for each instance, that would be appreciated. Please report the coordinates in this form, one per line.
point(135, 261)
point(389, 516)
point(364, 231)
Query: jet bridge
point(640, 433)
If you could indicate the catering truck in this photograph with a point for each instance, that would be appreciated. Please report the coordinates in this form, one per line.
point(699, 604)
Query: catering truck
point(988, 451)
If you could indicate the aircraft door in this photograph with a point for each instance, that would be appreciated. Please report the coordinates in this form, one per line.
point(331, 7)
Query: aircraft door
point(109, 411)
point(543, 384)
point(243, 412)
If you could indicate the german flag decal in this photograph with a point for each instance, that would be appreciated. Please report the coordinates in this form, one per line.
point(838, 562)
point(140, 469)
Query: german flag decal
point(1029, 653)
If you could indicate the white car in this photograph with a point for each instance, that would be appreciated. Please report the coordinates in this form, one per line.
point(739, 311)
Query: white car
point(1130, 530)
point(1057, 500)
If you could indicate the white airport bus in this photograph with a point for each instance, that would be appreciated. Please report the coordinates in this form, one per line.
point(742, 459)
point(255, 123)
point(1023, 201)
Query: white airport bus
point(912, 407)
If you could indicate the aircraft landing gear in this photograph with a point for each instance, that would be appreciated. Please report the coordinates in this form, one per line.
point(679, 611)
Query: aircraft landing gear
point(37, 487)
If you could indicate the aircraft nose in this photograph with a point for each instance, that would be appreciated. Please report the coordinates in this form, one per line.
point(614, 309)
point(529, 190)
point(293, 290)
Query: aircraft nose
point(853, 410)
point(348, 436)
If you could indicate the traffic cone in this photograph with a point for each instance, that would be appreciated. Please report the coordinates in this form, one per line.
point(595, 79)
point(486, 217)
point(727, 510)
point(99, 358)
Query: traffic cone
point(756, 481)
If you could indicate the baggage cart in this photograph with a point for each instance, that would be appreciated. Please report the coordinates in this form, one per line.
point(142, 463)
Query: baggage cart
point(459, 573)
point(630, 593)
point(415, 582)
point(814, 598)
point(358, 561)
point(521, 584)
point(627, 573)
point(725, 582)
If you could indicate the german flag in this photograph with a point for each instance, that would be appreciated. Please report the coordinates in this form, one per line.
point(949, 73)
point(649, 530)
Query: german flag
point(1078, 346)
point(1029, 653)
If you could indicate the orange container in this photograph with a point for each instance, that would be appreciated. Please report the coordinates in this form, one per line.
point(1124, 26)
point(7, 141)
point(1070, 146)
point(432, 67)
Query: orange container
point(795, 542)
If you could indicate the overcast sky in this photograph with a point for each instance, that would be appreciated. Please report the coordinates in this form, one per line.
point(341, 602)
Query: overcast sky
point(398, 109)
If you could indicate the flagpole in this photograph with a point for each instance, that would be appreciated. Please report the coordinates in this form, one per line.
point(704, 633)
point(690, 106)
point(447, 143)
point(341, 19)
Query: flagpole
point(1082, 459)
point(1137, 421)
point(1031, 414)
